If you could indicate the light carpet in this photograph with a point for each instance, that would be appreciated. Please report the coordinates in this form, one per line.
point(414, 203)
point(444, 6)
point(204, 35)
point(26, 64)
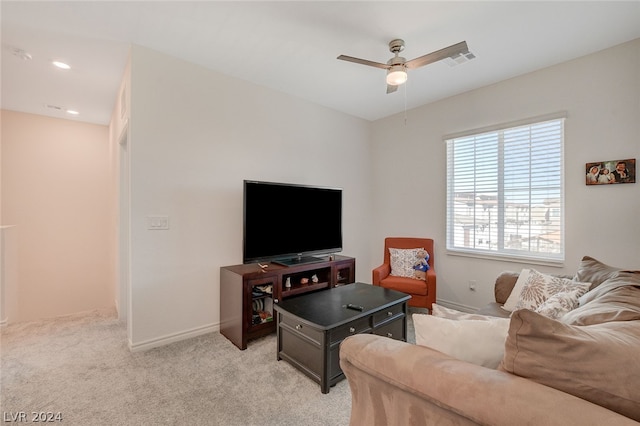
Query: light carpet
point(80, 366)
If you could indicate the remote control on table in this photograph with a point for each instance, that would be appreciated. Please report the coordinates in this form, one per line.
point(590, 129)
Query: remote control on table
point(355, 307)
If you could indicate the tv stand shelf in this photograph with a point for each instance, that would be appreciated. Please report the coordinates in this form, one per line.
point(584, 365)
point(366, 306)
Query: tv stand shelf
point(246, 309)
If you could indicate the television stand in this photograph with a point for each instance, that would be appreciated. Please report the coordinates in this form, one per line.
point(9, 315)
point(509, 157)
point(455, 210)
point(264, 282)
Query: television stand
point(249, 292)
point(298, 260)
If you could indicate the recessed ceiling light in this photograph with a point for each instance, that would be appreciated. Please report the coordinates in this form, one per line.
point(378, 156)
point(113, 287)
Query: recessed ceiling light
point(61, 65)
point(72, 112)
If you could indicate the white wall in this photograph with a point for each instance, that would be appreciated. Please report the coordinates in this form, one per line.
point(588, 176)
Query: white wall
point(601, 94)
point(58, 193)
point(194, 136)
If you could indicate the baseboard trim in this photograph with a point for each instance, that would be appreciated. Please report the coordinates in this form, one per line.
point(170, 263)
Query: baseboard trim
point(4, 322)
point(457, 306)
point(172, 338)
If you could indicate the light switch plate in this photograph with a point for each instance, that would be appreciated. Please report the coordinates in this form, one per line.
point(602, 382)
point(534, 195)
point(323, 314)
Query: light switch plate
point(157, 223)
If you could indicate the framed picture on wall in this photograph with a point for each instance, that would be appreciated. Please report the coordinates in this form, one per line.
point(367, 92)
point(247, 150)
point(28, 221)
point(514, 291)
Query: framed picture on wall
point(611, 172)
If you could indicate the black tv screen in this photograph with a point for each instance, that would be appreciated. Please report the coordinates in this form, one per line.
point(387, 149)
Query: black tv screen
point(290, 223)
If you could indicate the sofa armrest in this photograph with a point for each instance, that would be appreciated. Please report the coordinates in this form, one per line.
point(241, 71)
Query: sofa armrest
point(397, 383)
point(380, 273)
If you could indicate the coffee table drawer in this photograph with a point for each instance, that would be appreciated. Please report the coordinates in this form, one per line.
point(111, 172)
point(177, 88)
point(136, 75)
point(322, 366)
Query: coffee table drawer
point(394, 329)
point(312, 333)
point(361, 325)
point(387, 314)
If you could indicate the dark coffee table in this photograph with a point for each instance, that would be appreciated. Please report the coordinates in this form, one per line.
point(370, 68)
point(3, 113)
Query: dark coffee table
point(310, 327)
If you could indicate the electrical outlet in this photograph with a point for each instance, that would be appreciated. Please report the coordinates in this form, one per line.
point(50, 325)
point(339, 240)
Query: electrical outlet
point(472, 285)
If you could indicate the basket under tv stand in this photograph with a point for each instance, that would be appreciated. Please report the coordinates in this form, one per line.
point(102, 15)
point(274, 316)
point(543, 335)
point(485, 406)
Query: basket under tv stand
point(248, 292)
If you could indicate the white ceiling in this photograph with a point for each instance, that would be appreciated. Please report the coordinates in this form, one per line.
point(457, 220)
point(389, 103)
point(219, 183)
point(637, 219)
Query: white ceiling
point(292, 46)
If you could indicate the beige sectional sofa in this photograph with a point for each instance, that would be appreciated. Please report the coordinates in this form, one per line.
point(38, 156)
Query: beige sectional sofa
point(580, 369)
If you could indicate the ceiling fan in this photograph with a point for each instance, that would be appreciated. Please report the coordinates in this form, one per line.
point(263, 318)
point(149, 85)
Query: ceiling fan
point(397, 66)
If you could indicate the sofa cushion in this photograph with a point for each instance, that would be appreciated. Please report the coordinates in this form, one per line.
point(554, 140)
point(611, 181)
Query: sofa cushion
point(598, 363)
point(534, 288)
point(616, 299)
point(596, 272)
point(403, 260)
point(476, 341)
point(444, 312)
point(494, 309)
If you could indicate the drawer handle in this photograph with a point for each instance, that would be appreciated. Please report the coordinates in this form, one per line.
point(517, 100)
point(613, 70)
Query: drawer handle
point(299, 327)
point(389, 334)
point(389, 314)
point(352, 330)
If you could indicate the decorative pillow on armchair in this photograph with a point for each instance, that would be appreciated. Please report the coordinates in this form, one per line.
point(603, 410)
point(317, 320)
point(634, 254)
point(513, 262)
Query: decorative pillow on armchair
point(403, 261)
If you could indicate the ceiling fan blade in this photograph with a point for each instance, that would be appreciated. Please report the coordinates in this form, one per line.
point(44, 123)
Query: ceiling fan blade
point(438, 55)
point(391, 89)
point(363, 62)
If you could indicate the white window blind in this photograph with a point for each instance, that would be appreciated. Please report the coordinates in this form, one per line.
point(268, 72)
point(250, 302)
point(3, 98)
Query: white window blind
point(505, 192)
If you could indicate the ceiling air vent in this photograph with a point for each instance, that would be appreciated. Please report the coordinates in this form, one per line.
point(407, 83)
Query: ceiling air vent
point(53, 107)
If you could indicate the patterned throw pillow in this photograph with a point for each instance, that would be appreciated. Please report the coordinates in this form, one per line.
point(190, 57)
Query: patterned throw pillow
point(559, 304)
point(403, 260)
point(539, 287)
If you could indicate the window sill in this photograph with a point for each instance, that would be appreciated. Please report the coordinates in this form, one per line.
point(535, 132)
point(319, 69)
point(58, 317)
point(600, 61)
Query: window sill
point(507, 258)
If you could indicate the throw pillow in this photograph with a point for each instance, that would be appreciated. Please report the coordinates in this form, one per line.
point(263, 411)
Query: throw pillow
point(616, 299)
point(559, 304)
point(598, 363)
point(403, 260)
point(477, 342)
point(596, 272)
point(443, 312)
point(538, 287)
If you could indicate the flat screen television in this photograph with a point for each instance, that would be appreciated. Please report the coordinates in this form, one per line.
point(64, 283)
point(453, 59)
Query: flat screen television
point(290, 224)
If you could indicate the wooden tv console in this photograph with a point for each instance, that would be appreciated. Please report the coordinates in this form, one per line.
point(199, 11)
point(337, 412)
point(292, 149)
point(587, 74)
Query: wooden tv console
point(249, 291)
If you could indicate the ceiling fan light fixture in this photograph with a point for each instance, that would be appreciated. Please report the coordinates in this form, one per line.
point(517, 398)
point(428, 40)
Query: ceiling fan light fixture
point(396, 75)
point(61, 65)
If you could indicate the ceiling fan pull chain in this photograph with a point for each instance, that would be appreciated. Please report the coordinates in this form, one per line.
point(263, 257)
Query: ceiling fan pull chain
point(405, 103)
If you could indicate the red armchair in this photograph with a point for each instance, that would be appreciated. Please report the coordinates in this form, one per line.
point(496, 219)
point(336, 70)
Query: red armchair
point(423, 292)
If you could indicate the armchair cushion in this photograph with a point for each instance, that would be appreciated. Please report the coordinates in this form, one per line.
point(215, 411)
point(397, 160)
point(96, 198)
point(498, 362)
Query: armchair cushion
point(404, 284)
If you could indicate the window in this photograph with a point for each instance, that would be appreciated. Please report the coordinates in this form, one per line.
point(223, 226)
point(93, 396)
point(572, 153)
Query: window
point(505, 191)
